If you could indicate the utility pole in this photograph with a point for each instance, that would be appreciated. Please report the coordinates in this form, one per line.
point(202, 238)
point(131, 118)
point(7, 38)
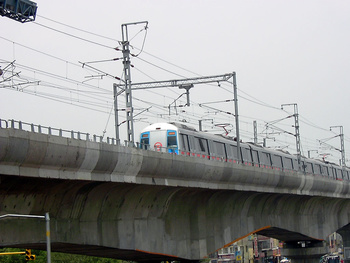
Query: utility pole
point(342, 149)
point(297, 132)
point(235, 98)
point(127, 81)
point(116, 119)
point(255, 132)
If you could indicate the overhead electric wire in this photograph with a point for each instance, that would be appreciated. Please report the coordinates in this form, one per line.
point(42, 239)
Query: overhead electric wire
point(50, 97)
point(73, 36)
point(159, 67)
point(79, 29)
point(39, 51)
point(62, 78)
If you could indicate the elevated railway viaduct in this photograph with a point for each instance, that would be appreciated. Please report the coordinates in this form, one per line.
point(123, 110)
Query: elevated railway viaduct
point(127, 203)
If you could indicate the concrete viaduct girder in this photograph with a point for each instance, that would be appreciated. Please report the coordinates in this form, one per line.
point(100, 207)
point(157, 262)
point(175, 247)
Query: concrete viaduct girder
point(142, 222)
point(139, 205)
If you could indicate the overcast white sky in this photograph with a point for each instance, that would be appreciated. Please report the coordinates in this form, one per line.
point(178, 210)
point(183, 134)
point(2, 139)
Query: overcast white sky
point(282, 52)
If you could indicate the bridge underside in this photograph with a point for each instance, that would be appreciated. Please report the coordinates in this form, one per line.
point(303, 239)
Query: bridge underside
point(285, 235)
point(150, 222)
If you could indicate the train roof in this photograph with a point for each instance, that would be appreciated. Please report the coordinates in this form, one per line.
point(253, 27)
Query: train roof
point(159, 126)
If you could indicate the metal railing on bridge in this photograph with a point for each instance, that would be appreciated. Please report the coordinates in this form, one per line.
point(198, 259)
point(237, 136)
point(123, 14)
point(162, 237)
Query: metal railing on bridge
point(20, 125)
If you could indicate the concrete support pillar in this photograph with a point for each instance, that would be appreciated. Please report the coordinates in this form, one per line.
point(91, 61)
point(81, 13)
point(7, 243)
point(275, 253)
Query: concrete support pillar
point(345, 234)
point(305, 251)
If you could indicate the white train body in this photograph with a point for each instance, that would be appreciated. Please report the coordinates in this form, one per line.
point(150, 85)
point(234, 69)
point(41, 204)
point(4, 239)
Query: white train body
point(183, 140)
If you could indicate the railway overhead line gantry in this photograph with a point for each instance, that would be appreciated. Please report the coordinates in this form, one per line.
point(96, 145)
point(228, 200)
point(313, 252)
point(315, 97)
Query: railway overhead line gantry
point(186, 84)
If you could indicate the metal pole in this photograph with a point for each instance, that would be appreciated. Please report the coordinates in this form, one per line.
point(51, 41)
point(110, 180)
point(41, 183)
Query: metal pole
point(48, 239)
point(255, 132)
point(236, 117)
point(127, 75)
point(297, 132)
point(116, 120)
point(342, 146)
point(342, 150)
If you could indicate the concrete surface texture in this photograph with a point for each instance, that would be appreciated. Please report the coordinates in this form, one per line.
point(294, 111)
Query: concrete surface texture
point(122, 202)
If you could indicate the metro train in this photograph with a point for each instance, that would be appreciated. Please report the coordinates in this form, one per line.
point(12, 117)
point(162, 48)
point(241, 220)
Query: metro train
point(181, 139)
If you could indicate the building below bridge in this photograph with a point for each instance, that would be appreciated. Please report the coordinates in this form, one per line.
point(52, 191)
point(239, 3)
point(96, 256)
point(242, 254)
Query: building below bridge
point(270, 250)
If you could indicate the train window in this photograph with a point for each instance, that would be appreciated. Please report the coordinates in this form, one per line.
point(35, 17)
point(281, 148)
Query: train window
point(265, 158)
point(277, 161)
point(295, 165)
point(144, 140)
point(288, 163)
point(220, 148)
point(246, 154)
point(172, 139)
point(255, 156)
point(335, 175)
point(326, 171)
point(339, 173)
point(310, 168)
point(231, 151)
point(185, 143)
point(317, 169)
point(234, 151)
point(201, 144)
point(307, 167)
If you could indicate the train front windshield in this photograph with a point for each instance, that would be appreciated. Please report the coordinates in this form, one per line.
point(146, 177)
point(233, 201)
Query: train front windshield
point(144, 140)
point(172, 142)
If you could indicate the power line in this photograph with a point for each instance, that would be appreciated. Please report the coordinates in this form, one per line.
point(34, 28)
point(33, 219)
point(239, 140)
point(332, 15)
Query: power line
point(79, 29)
point(73, 36)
